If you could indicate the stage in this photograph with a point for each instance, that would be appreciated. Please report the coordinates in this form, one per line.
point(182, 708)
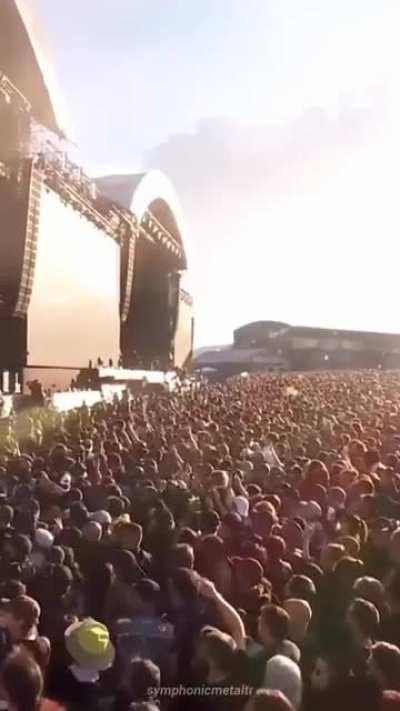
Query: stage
point(113, 383)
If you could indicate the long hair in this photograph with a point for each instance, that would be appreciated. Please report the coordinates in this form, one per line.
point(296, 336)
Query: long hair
point(22, 681)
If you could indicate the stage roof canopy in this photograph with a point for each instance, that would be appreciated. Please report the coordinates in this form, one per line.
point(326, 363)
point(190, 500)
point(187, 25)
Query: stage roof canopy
point(24, 59)
point(147, 191)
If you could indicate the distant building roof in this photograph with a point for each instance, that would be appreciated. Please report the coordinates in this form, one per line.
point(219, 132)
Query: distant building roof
point(236, 356)
point(264, 324)
point(258, 328)
point(331, 332)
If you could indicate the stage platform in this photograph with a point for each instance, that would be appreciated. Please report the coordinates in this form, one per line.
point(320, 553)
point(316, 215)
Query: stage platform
point(126, 375)
point(113, 382)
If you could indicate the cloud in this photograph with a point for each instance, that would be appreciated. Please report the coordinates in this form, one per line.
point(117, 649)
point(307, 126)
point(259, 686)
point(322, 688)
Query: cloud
point(230, 158)
point(247, 190)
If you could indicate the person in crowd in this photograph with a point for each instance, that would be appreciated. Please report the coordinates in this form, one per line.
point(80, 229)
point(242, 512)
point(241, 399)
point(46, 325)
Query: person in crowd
point(222, 535)
point(147, 633)
point(22, 684)
point(391, 624)
point(273, 631)
point(213, 562)
point(20, 616)
point(333, 686)
point(217, 666)
point(283, 674)
point(268, 700)
point(300, 587)
point(88, 652)
point(118, 602)
point(374, 591)
point(300, 614)
point(273, 640)
point(384, 665)
point(363, 621)
point(140, 684)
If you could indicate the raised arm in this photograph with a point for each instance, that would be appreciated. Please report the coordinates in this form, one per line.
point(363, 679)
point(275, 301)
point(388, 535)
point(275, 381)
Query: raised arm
point(231, 620)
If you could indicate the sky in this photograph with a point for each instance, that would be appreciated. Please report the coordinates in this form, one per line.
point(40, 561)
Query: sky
point(278, 122)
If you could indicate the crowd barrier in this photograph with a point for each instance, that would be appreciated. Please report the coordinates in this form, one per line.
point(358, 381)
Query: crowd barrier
point(127, 375)
point(72, 399)
point(75, 399)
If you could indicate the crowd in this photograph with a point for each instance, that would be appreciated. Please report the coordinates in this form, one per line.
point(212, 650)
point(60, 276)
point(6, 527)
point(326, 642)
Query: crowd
point(233, 547)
